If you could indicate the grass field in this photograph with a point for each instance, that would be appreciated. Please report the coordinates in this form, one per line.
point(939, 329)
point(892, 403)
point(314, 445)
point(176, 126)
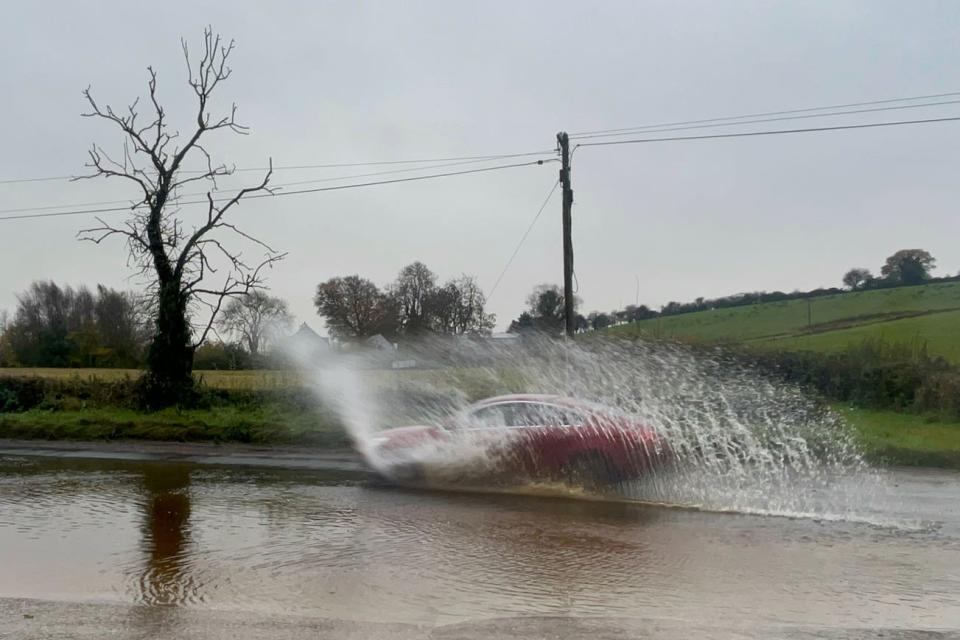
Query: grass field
point(929, 313)
point(900, 438)
point(939, 331)
point(252, 380)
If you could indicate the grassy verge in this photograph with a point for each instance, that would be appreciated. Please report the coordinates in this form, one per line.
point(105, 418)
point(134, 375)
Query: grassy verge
point(255, 424)
point(906, 439)
point(245, 380)
point(74, 408)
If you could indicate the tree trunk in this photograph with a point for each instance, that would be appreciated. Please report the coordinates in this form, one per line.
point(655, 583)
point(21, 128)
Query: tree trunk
point(170, 359)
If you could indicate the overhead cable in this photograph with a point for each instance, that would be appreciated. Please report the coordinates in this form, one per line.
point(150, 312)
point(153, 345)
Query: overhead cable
point(772, 113)
point(255, 196)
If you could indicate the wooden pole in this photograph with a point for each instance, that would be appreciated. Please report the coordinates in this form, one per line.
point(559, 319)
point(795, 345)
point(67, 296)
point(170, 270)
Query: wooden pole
point(564, 141)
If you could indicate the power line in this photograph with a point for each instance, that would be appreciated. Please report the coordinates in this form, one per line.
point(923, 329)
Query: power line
point(288, 193)
point(777, 119)
point(44, 179)
point(767, 133)
point(501, 156)
point(522, 240)
point(278, 186)
point(411, 179)
point(771, 113)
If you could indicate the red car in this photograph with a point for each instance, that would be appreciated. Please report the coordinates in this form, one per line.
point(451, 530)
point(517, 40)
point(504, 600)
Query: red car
point(522, 437)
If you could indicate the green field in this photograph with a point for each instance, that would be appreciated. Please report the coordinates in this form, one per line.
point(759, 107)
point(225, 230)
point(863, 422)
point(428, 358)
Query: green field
point(249, 380)
point(927, 314)
point(939, 331)
point(899, 438)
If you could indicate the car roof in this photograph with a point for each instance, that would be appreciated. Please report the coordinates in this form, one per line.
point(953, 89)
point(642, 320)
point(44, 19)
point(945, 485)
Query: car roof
point(535, 397)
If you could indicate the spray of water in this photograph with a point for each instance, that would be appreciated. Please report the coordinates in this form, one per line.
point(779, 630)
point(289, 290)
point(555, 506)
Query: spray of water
point(741, 441)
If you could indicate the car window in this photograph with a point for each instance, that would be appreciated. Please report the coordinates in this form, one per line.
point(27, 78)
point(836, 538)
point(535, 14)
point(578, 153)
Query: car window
point(522, 414)
point(572, 418)
point(495, 415)
point(531, 414)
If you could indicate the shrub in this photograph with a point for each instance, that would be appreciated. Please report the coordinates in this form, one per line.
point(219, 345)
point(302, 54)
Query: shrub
point(873, 374)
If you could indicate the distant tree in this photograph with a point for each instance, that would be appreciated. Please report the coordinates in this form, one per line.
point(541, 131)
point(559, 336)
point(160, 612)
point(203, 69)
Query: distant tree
point(546, 307)
point(523, 323)
point(546, 303)
point(40, 333)
point(412, 292)
point(413, 305)
point(909, 266)
point(180, 256)
point(471, 316)
point(355, 308)
point(255, 319)
point(598, 320)
point(458, 308)
point(643, 312)
point(123, 327)
point(857, 277)
point(222, 356)
point(6, 357)
point(671, 308)
point(58, 326)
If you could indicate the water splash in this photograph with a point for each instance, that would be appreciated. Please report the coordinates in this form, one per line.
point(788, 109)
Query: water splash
point(742, 441)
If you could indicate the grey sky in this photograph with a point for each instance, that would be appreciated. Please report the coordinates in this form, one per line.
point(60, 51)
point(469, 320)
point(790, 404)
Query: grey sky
point(366, 81)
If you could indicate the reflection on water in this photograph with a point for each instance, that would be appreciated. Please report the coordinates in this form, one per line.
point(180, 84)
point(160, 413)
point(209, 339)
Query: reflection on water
point(166, 536)
point(180, 538)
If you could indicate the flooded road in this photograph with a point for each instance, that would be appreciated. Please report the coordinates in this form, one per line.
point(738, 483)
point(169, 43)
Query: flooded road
point(159, 549)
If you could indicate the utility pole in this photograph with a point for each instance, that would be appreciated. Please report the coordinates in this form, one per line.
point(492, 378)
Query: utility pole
point(563, 140)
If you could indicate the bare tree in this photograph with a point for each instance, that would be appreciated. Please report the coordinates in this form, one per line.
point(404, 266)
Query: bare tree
point(180, 260)
point(458, 308)
point(412, 291)
point(256, 319)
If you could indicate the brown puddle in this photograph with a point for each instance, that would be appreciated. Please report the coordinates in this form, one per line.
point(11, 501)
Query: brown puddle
point(314, 543)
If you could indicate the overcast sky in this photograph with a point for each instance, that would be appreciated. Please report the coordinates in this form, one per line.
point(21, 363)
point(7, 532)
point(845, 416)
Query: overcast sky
point(325, 82)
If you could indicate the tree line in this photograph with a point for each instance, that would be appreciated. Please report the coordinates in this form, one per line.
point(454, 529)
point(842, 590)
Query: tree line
point(413, 305)
point(63, 326)
point(56, 326)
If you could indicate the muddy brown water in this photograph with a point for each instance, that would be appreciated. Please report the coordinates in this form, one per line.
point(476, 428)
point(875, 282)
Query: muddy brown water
point(331, 545)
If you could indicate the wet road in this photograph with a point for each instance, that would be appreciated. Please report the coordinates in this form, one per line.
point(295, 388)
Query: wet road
point(131, 549)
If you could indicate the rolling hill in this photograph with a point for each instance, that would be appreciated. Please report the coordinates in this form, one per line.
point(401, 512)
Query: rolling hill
point(927, 314)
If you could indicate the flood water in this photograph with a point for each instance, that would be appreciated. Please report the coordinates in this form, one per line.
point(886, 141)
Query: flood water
point(331, 545)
